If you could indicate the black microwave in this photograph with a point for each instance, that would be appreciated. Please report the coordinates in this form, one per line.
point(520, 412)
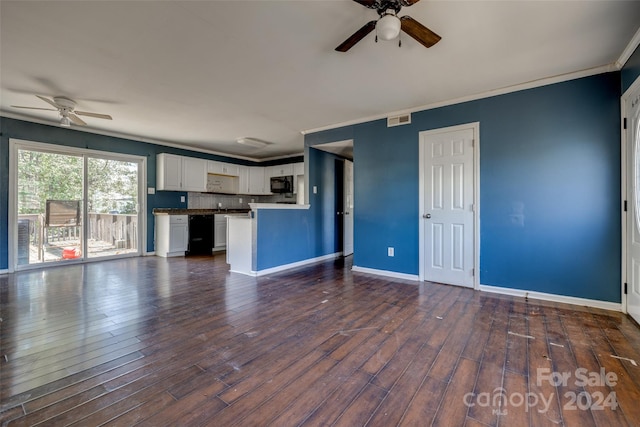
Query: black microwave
point(282, 184)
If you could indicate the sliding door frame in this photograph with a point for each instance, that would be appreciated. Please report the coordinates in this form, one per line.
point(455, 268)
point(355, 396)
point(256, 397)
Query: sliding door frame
point(18, 144)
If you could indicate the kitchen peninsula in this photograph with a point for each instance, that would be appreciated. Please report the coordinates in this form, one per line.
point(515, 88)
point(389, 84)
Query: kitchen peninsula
point(272, 238)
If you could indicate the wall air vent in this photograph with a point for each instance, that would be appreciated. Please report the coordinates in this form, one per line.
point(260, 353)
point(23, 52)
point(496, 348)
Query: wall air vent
point(403, 119)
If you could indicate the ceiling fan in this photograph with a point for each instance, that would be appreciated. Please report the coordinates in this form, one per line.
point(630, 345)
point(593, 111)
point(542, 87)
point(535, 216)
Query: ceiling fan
point(388, 26)
point(68, 113)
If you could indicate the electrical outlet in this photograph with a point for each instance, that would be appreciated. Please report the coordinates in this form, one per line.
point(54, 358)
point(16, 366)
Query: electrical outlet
point(182, 199)
point(390, 251)
point(315, 189)
point(240, 200)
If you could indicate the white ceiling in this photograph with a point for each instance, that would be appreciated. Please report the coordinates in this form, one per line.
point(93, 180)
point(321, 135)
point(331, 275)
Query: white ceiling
point(203, 73)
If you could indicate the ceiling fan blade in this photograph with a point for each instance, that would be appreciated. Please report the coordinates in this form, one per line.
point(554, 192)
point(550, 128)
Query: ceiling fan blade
point(33, 108)
point(48, 101)
point(77, 120)
point(371, 4)
point(422, 34)
point(405, 3)
point(96, 115)
point(357, 36)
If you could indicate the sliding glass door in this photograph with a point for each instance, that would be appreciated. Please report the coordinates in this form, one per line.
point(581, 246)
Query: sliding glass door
point(112, 206)
point(73, 205)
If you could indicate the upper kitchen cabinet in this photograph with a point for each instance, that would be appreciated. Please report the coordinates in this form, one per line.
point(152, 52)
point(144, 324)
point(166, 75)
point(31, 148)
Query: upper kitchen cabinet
point(258, 181)
point(298, 169)
point(279, 170)
point(178, 173)
point(253, 181)
point(222, 168)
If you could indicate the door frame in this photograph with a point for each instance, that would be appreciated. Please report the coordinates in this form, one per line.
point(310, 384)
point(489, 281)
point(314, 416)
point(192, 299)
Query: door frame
point(475, 126)
point(625, 186)
point(16, 144)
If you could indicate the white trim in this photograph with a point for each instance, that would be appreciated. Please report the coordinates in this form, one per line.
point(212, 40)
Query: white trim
point(623, 186)
point(149, 253)
point(475, 126)
point(386, 273)
point(4, 271)
point(283, 267)
point(487, 94)
point(606, 305)
point(628, 51)
point(136, 138)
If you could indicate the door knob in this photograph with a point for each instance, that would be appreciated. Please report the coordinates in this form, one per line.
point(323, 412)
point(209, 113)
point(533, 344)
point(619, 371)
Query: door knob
point(427, 216)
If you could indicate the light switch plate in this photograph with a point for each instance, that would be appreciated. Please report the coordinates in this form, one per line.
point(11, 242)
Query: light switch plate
point(182, 199)
point(151, 190)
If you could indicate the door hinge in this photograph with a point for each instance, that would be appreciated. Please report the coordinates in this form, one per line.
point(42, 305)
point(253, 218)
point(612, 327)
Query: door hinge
point(625, 205)
point(625, 288)
point(473, 271)
point(624, 123)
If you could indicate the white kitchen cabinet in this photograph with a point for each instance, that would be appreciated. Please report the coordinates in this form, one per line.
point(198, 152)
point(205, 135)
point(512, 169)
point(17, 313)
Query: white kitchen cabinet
point(168, 172)
point(220, 232)
point(243, 179)
point(179, 173)
point(194, 174)
point(258, 182)
point(172, 235)
point(279, 170)
point(222, 168)
point(298, 171)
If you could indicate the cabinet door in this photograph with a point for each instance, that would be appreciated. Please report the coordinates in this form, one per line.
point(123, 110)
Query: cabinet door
point(178, 237)
point(214, 167)
point(279, 170)
point(220, 234)
point(168, 172)
point(194, 174)
point(257, 180)
point(222, 168)
point(243, 180)
point(298, 169)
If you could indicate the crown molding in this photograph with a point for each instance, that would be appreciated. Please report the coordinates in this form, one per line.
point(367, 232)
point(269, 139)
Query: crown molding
point(495, 92)
point(137, 138)
point(628, 51)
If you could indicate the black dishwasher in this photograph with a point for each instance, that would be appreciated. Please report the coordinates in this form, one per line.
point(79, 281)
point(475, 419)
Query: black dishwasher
point(200, 235)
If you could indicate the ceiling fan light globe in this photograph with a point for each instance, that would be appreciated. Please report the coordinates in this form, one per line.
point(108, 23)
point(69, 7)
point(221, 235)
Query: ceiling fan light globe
point(65, 122)
point(388, 27)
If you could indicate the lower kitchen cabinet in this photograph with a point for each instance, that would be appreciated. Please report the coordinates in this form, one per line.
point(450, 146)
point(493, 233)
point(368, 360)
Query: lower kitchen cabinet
point(172, 235)
point(220, 232)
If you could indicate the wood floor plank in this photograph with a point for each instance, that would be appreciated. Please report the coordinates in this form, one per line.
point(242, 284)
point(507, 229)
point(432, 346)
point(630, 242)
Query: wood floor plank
point(182, 341)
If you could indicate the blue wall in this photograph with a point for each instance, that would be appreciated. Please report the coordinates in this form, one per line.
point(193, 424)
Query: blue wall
point(631, 70)
point(10, 128)
point(291, 235)
point(553, 150)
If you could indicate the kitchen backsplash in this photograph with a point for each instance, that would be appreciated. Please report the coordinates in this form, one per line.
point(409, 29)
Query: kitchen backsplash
point(210, 201)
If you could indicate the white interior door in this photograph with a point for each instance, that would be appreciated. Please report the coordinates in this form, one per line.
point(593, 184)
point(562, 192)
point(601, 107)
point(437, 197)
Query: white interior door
point(348, 209)
point(632, 137)
point(448, 206)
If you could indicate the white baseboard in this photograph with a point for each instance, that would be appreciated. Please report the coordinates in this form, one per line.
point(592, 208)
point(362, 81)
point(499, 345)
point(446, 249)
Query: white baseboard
point(149, 253)
point(606, 305)
point(294, 264)
point(386, 273)
point(4, 271)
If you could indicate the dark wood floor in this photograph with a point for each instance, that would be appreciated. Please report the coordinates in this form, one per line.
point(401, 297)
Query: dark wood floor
point(183, 342)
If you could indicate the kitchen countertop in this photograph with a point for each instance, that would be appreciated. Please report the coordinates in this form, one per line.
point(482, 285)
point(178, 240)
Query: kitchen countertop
point(177, 211)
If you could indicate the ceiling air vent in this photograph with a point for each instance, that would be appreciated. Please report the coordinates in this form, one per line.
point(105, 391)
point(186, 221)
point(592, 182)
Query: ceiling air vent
point(404, 119)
